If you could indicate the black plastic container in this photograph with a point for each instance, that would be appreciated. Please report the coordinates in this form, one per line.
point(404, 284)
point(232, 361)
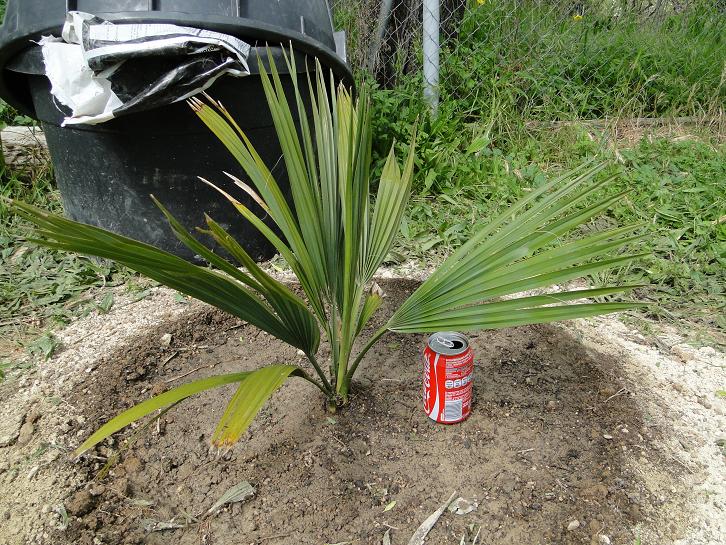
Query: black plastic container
point(106, 172)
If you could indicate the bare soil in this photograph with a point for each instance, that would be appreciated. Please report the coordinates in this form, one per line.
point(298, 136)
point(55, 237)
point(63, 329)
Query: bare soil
point(555, 450)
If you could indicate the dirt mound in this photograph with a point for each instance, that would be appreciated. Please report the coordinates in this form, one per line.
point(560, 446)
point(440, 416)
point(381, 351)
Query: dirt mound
point(551, 452)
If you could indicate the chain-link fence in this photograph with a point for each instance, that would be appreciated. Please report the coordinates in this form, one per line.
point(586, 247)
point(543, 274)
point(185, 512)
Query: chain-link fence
point(546, 58)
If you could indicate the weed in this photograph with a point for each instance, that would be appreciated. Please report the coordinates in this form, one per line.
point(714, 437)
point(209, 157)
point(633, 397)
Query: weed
point(41, 287)
point(106, 303)
point(44, 346)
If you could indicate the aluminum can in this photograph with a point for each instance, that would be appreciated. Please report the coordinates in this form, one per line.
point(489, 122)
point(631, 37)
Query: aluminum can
point(447, 380)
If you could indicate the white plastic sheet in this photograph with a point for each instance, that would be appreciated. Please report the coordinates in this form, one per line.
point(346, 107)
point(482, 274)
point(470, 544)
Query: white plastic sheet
point(101, 70)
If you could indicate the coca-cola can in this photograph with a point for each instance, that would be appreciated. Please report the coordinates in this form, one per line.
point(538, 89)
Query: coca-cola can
point(448, 374)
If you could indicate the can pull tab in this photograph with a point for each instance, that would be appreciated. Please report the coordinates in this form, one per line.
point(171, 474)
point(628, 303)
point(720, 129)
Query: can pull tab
point(445, 342)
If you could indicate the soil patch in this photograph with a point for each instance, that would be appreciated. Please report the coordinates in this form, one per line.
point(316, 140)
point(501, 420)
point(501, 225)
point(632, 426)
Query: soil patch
point(547, 444)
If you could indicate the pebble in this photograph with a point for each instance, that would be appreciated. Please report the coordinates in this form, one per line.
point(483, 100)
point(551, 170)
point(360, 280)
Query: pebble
point(682, 353)
point(166, 340)
point(607, 436)
point(81, 503)
point(26, 434)
point(573, 525)
point(603, 539)
point(551, 405)
point(33, 472)
point(7, 440)
point(96, 490)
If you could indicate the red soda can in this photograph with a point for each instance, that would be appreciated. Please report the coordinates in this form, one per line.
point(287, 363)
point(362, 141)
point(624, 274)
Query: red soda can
point(448, 375)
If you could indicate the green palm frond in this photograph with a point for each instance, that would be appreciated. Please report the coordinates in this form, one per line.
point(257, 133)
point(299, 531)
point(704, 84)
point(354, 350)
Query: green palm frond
point(160, 401)
point(335, 234)
point(510, 255)
point(251, 395)
point(204, 284)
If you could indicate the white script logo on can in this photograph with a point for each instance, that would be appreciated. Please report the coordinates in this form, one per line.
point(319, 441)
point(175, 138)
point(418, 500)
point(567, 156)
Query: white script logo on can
point(448, 375)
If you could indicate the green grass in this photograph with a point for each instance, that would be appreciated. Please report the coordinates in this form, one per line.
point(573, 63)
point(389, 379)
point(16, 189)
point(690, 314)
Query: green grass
point(537, 62)
point(514, 70)
point(677, 190)
point(39, 288)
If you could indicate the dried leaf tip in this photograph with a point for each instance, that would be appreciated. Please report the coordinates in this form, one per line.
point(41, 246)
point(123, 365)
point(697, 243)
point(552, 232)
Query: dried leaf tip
point(377, 290)
point(247, 189)
point(222, 191)
point(195, 104)
point(213, 102)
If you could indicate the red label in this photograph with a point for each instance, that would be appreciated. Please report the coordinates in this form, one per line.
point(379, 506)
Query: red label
point(447, 386)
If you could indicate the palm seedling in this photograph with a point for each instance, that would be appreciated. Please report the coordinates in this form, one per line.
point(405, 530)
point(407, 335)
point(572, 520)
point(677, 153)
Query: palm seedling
point(334, 236)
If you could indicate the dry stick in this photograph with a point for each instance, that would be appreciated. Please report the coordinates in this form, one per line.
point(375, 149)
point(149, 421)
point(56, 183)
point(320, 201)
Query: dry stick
point(277, 536)
point(167, 360)
point(476, 537)
point(419, 535)
point(170, 380)
point(682, 464)
point(616, 394)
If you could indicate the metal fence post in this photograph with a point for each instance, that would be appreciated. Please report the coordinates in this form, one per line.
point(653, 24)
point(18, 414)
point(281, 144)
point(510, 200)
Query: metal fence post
point(431, 23)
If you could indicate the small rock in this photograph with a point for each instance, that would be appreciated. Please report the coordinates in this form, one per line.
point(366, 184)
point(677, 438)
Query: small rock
point(121, 486)
point(607, 436)
point(26, 433)
point(573, 525)
point(551, 405)
point(595, 492)
point(81, 503)
point(9, 439)
point(96, 490)
point(166, 340)
point(184, 471)
point(701, 400)
point(678, 387)
point(33, 472)
point(133, 464)
point(603, 539)
point(682, 352)
point(463, 506)
point(634, 497)
point(467, 443)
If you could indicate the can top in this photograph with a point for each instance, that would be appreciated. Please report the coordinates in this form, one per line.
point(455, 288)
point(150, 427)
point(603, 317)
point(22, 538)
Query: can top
point(448, 343)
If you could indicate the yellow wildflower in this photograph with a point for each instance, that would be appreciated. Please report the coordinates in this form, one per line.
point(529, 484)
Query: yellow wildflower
point(577, 17)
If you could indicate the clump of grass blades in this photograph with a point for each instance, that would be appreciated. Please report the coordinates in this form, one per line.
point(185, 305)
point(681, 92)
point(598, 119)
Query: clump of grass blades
point(335, 237)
